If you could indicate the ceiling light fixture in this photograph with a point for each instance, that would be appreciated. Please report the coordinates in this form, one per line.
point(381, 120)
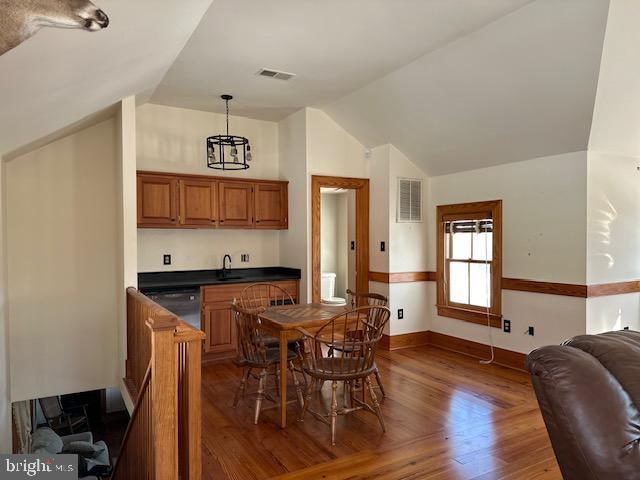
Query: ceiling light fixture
point(218, 145)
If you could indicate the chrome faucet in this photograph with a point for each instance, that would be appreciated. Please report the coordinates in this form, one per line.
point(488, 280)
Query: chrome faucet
point(224, 264)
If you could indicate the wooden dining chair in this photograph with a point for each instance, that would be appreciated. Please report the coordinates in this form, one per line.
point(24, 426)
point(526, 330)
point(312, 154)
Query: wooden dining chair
point(260, 296)
point(357, 362)
point(256, 298)
point(254, 354)
point(372, 299)
point(362, 299)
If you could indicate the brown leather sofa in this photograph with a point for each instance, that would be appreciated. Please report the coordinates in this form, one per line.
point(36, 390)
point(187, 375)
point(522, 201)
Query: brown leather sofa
point(589, 394)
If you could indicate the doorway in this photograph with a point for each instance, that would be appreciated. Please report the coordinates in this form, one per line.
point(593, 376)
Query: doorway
point(358, 190)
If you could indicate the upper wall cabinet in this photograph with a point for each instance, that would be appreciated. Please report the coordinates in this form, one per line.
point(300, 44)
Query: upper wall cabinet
point(271, 205)
point(197, 201)
point(236, 204)
point(157, 201)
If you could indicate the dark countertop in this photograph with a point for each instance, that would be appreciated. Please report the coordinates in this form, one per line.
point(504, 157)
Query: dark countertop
point(162, 281)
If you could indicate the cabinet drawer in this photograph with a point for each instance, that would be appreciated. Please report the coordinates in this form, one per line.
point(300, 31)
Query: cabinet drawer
point(222, 293)
point(226, 293)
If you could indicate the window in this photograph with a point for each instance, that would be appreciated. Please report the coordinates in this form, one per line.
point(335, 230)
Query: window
point(470, 261)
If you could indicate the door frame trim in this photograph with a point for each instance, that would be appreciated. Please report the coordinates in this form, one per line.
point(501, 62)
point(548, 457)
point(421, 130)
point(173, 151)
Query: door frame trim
point(361, 186)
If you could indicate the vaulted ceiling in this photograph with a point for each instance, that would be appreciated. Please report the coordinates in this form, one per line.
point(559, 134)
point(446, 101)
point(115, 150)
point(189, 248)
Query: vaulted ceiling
point(455, 85)
point(58, 77)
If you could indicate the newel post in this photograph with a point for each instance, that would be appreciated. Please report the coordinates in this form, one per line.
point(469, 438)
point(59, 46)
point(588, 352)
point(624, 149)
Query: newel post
point(164, 400)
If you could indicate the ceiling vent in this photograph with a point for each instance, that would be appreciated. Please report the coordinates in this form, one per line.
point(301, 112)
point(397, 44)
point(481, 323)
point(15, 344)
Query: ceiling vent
point(265, 72)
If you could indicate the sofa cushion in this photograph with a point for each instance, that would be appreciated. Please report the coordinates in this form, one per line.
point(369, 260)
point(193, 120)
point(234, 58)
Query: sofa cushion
point(85, 449)
point(47, 439)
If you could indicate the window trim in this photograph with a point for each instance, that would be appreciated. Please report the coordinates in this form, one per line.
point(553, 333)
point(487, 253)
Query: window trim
point(464, 211)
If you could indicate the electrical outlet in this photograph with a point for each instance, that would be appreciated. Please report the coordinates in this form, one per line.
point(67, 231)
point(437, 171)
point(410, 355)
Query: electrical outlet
point(506, 326)
point(353, 245)
point(382, 246)
point(626, 328)
point(244, 257)
point(400, 314)
point(530, 331)
point(166, 259)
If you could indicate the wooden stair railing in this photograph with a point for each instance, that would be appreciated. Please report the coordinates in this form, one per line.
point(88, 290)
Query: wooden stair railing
point(163, 439)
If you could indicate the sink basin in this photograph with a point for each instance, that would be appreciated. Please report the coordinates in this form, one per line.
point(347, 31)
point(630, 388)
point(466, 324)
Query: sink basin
point(228, 278)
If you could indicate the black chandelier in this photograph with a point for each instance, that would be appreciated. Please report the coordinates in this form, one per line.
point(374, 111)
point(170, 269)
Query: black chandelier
point(217, 155)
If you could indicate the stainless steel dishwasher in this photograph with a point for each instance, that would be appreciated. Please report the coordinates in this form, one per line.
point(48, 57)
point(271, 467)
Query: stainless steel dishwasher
point(185, 303)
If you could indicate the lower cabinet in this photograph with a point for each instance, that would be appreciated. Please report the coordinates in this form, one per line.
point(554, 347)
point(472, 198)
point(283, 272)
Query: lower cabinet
point(219, 328)
point(217, 321)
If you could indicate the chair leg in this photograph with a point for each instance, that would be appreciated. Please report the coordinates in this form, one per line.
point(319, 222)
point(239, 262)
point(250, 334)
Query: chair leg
point(242, 387)
point(376, 405)
point(307, 399)
point(276, 379)
point(345, 391)
point(379, 380)
point(296, 384)
point(334, 410)
point(263, 378)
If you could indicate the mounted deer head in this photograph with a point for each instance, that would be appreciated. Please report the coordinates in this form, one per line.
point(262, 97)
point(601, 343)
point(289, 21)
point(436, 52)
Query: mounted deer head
point(21, 19)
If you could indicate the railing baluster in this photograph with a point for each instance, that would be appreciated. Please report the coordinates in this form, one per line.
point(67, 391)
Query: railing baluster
point(163, 439)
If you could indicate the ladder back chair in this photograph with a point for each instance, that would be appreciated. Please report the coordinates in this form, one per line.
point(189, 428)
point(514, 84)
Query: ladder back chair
point(254, 354)
point(357, 362)
point(371, 299)
point(260, 296)
point(256, 298)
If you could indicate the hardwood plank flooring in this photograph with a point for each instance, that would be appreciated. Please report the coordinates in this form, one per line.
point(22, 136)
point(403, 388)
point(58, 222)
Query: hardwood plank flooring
point(447, 417)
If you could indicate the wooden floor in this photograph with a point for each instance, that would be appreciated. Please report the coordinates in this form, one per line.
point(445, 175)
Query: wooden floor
point(447, 416)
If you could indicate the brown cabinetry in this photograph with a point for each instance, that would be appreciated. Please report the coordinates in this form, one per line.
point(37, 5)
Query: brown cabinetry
point(198, 201)
point(270, 205)
point(157, 200)
point(236, 204)
point(218, 323)
point(219, 328)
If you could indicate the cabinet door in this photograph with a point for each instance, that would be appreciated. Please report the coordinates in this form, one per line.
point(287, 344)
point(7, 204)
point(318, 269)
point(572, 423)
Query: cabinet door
point(219, 328)
point(157, 201)
point(198, 203)
point(270, 205)
point(236, 204)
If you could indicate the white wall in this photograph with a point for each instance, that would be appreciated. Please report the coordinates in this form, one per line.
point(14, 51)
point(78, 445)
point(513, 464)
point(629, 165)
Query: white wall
point(193, 249)
point(406, 243)
point(379, 206)
point(172, 139)
point(5, 370)
point(351, 237)
point(616, 114)
point(292, 138)
point(613, 197)
point(342, 242)
point(332, 151)
point(127, 232)
point(62, 265)
point(544, 238)
point(328, 232)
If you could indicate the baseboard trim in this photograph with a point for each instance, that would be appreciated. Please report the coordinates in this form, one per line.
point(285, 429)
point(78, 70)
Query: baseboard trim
point(503, 357)
point(406, 340)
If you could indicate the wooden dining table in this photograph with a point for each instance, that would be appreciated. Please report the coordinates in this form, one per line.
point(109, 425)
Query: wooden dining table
point(282, 322)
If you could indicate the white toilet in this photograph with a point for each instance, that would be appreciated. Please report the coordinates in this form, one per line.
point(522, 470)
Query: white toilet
point(327, 289)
